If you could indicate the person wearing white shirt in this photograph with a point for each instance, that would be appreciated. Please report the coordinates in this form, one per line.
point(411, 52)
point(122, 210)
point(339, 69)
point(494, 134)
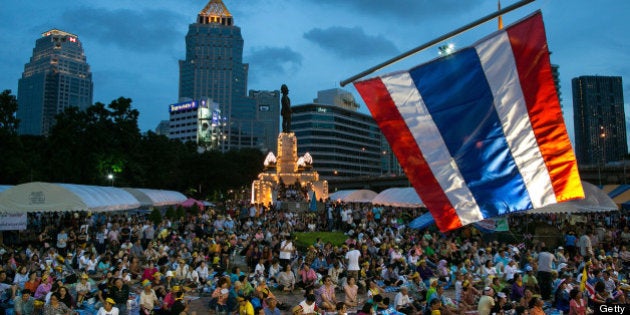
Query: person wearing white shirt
point(402, 302)
point(352, 258)
point(510, 270)
point(308, 305)
point(108, 308)
point(274, 270)
point(203, 271)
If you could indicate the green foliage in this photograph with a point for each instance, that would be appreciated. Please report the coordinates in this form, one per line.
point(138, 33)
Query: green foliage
point(194, 210)
point(303, 240)
point(155, 216)
point(83, 147)
point(170, 213)
point(8, 109)
point(180, 212)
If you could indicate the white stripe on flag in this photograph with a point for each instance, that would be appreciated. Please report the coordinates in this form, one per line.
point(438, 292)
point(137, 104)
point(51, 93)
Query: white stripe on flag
point(499, 65)
point(411, 106)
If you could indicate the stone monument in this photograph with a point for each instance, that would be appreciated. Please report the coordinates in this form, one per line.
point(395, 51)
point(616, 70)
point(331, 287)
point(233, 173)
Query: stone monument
point(287, 170)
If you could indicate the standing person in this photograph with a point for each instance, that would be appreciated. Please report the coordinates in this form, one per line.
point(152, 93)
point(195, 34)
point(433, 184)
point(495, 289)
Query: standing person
point(62, 241)
point(286, 109)
point(286, 251)
point(586, 247)
point(545, 266)
point(352, 261)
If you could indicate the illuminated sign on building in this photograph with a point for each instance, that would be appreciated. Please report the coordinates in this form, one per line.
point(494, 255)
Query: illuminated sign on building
point(173, 108)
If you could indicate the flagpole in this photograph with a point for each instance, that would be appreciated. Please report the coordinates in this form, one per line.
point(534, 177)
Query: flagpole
point(435, 41)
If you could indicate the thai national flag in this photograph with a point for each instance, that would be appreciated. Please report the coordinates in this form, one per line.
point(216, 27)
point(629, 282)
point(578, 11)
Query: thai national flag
point(480, 132)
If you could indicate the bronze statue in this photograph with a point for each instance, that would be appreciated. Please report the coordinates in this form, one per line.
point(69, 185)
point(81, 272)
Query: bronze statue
point(286, 109)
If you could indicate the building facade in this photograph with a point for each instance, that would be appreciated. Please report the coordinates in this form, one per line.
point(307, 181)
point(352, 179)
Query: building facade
point(342, 141)
point(268, 118)
point(198, 121)
point(599, 119)
point(56, 77)
point(214, 69)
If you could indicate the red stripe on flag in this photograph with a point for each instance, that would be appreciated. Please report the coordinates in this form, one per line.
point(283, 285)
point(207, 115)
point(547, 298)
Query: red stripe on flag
point(529, 45)
point(403, 144)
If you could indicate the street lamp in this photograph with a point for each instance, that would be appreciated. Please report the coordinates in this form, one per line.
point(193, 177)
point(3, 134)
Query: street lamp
point(446, 50)
point(602, 148)
point(111, 179)
point(361, 162)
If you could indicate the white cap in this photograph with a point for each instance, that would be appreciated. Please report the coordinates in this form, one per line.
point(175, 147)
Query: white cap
point(169, 273)
point(501, 295)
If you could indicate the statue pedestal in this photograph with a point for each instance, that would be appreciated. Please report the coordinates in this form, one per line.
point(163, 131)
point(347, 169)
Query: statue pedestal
point(287, 170)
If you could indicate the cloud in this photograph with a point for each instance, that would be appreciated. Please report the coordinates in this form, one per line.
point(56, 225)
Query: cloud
point(346, 42)
point(140, 31)
point(273, 61)
point(409, 11)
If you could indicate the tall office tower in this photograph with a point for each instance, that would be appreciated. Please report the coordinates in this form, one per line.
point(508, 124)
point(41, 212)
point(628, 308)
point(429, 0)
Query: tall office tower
point(56, 77)
point(214, 69)
point(555, 72)
point(342, 141)
point(599, 119)
point(268, 118)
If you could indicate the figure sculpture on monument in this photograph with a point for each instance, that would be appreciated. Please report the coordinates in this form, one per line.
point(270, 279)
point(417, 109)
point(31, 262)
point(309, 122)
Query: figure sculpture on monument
point(286, 109)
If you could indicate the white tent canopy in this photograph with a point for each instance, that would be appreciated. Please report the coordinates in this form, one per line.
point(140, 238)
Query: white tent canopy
point(595, 200)
point(399, 197)
point(39, 196)
point(156, 197)
point(361, 195)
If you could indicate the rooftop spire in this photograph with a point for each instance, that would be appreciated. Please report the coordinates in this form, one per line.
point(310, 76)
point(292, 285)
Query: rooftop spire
point(215, 12)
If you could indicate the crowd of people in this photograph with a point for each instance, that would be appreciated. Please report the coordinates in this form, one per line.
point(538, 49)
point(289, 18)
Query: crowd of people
point(83, 263)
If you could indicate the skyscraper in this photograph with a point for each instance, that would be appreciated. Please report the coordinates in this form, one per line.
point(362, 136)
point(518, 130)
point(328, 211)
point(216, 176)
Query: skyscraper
point(268, 118)
point(599, 119)
point(214, 69)
point(56, 77)
point(342, 141)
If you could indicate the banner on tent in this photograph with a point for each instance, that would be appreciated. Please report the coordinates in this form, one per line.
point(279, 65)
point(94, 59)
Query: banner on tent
point(12, 222)
point(494, 224)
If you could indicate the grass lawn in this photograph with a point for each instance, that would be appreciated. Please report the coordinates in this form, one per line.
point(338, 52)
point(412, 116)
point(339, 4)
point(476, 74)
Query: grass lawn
point(308, 238)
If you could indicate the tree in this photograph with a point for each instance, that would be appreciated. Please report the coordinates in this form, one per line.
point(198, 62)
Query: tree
point(12, 165)
point(8, 108)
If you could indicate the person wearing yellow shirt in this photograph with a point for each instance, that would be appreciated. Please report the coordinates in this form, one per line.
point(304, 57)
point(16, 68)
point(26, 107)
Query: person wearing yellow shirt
point(245, 307)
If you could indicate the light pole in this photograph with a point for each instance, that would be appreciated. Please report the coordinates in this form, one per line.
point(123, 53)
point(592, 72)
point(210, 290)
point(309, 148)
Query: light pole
point(361, 162)
point(111, 179)
point(602, 156)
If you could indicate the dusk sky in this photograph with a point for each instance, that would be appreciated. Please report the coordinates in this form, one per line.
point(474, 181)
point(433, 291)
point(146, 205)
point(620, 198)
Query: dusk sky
point(133, 48)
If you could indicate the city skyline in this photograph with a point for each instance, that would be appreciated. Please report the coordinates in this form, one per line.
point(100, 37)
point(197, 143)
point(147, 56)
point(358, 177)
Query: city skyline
point(133, 49)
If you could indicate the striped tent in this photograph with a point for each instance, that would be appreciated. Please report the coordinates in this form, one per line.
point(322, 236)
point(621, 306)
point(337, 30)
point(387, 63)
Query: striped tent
point(620, 194)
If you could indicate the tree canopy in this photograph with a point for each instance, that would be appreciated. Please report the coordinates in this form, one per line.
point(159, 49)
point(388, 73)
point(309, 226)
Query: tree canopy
point(84, 147)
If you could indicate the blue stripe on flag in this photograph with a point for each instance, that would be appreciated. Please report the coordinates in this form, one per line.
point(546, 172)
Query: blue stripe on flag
point(460, 101)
